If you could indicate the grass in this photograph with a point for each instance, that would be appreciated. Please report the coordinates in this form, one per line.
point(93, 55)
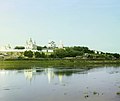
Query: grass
point(83, 64)
point(118, 93)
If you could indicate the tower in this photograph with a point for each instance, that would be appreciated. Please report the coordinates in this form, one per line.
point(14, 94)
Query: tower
point(61, 45)
point(30, 45)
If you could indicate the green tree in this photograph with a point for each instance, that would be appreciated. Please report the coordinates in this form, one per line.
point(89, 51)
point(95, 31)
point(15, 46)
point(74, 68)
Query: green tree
point(117, 56)
point(37, 55)
point(53, 55)
point(45, 47)
point(19, 47)
point(43, 55)
point(60, 53)
point(83, 49)
point(39, 48)
point(28, 54)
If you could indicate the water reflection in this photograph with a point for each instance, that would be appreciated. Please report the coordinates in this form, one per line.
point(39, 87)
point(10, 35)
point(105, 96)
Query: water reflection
point(51, 73)
point(6, 72)
point(60, 84)
point(29, 74)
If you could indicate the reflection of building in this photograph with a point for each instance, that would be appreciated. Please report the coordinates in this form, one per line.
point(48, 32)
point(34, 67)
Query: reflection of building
point(60, 77)
point(49, 72)
point(31, 45)
point(51, 75)
point(29, 74)
point(4, 72)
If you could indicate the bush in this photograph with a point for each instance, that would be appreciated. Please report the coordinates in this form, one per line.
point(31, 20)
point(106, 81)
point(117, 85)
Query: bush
point(37, 55)
point(28, 54)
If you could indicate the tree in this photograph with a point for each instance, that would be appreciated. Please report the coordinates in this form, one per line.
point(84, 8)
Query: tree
point(43, 55)
point(60, 53)
point(45, 47)
point(39, 48)
point(83, 49)
point(116, 55)
point(28, 54)
point(19, 47)
point(53, 55)
point(37, 55)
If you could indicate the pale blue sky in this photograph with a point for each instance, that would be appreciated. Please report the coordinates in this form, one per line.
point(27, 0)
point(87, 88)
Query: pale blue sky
point(92, 23)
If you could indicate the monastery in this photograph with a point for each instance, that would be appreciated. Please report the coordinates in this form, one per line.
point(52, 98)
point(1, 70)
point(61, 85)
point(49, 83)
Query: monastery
point(31, 45)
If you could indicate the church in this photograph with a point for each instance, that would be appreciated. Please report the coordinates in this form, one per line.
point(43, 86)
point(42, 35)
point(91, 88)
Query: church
point(30, 45)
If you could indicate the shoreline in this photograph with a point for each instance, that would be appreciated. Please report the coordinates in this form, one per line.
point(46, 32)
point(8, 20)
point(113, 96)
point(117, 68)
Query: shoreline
point(51, 63)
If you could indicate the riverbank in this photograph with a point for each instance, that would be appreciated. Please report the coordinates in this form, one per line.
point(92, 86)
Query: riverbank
point(76, 63)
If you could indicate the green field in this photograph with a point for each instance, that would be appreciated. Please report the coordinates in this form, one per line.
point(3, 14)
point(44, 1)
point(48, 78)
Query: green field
point(25, 64)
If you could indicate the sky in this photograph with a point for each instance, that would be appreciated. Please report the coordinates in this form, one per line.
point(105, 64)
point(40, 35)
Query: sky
point(91, 23)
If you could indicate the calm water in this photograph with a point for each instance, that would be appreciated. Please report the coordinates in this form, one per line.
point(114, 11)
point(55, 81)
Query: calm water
point(52, 84)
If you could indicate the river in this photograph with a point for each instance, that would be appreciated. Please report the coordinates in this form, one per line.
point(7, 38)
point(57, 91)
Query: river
point(60, 84)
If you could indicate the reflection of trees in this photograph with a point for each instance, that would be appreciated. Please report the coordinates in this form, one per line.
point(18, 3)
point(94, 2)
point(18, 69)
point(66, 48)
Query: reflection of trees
point(68, 72)
point(61, 72)
point(39, 71)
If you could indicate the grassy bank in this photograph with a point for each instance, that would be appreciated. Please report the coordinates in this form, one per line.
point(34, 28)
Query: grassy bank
point(76, 63)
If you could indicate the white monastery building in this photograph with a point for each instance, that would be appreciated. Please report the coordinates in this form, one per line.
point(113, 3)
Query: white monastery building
point(31, 45)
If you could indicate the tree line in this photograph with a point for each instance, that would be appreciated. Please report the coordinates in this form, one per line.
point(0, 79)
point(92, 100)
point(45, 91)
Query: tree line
point(76, 51)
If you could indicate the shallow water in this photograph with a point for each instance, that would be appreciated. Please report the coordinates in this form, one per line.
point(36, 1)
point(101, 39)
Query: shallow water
point(59, 84)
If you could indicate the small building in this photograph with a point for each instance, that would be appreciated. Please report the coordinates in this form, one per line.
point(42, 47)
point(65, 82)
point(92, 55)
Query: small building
point(7, 47)
point(48, 50)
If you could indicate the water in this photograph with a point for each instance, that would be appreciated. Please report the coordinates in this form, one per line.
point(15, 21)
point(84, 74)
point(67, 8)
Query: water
point(58, 84)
